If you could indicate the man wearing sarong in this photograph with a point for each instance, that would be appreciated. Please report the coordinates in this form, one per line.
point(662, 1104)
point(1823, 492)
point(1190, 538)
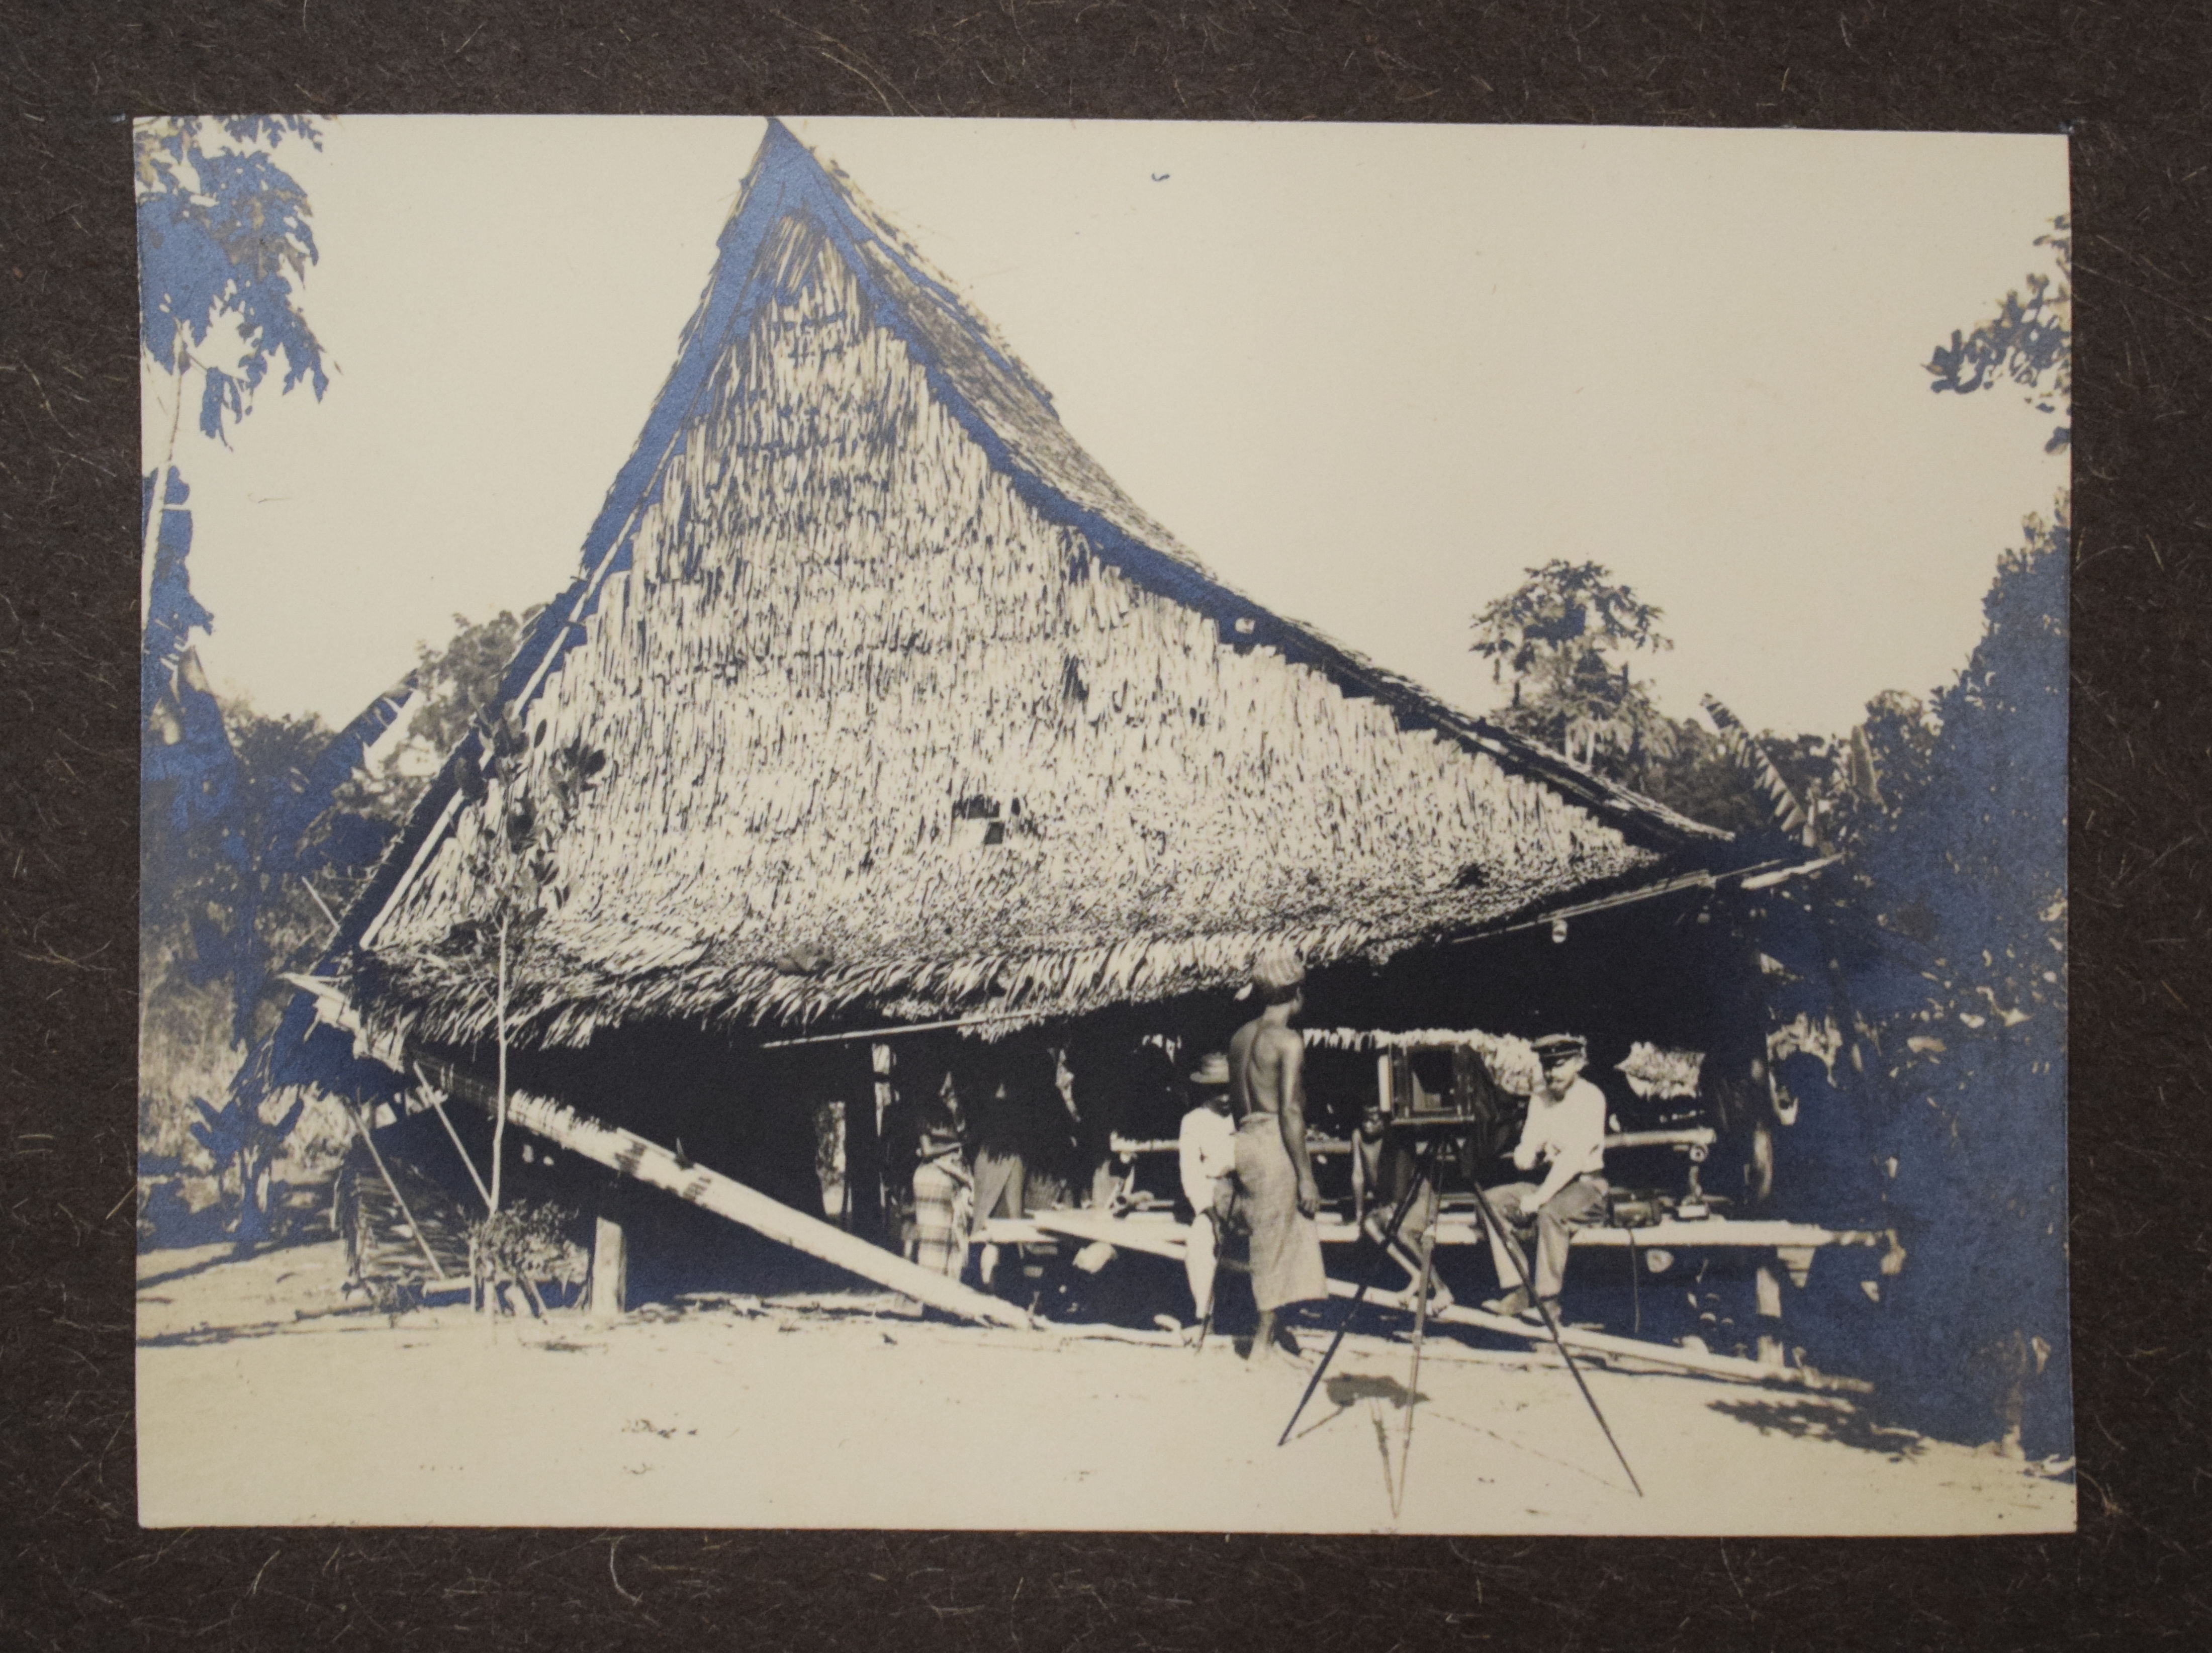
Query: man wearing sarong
point(943, 1196)
point(1276, 1194)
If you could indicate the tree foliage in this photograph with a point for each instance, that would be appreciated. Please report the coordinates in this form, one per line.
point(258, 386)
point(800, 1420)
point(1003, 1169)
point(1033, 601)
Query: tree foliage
point(257, 831)
point(1562, 637)
point(1941, 940)
point(223, 239)
point(2029, 341)
point(458, 681)
point(526, 795)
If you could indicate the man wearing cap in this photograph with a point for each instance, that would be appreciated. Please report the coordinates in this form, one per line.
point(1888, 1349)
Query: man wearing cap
point(1277, 1195)
point(1206, 1154)
point(1565, 1129)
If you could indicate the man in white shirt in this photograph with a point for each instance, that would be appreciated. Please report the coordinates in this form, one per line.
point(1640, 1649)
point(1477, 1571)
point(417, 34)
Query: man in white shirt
point(1205, 1155)
point(1565, 1130)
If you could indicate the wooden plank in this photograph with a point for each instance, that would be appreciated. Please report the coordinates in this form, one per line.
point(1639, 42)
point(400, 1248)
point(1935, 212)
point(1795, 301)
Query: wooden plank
point(1157, 1238)
point(1166, 1240)
point(1717, 1232)
point(1659, 1354)
point(649, 1162)
point(1676, 1234)
point(1132, 1231)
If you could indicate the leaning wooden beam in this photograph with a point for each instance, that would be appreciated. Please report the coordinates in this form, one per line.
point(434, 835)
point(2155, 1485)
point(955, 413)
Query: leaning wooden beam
point(1659, 1354)
point(649, 1162)
point(368, 1141)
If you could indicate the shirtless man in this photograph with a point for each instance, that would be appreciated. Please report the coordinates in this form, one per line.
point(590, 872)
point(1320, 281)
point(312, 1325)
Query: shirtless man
point(1277, 1196)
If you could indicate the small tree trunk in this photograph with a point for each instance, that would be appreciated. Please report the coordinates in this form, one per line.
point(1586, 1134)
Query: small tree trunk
point(499, 1115)
point(162, 491)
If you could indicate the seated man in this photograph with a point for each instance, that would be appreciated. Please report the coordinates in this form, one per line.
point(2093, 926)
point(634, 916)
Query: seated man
point(1205, 1155)
point(1388, 1166)
point(1565, 1129)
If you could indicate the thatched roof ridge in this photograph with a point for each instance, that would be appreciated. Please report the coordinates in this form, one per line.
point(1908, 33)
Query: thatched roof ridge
point(940, 565)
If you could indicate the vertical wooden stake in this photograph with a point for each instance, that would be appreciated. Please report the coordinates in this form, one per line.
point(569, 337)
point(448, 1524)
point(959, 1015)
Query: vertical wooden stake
point(609, 1290)
point(1769, 1286)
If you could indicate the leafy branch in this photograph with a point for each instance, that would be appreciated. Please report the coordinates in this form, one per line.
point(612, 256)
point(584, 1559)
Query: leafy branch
point(2029, 340)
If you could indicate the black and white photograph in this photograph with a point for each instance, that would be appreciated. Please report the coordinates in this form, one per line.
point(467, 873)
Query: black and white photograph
point(1140, 826)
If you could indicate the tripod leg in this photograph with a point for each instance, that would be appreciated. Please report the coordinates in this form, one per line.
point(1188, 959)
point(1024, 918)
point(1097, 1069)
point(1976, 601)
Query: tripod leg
point(1413, 1187)
point(1552, 1325)
point(1420, 1332)
point(1635, 1286)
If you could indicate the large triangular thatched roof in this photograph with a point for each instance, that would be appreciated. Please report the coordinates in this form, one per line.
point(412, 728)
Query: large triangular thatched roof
point(904, 704)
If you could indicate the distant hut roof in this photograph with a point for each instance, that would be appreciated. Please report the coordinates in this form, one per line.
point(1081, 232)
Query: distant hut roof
point(903, 703)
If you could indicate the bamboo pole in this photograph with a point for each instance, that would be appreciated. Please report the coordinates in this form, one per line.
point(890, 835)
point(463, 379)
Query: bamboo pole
point(903, 1027)
point(445, 1119)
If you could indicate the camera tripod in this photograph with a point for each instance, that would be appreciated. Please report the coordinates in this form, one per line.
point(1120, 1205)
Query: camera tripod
point(1423, 1178)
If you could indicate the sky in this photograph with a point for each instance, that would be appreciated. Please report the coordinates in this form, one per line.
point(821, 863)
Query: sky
point(1368, 375)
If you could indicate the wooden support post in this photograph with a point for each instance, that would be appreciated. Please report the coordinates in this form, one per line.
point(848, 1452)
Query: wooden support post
point(1769, 1285)
point(610, 1286)
point(870, 1207)
point(1798, 1259)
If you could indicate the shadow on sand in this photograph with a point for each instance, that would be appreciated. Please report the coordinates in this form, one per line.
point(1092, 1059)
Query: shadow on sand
point(1845, 1426)
point(1352, 1388)
point(169, 1221)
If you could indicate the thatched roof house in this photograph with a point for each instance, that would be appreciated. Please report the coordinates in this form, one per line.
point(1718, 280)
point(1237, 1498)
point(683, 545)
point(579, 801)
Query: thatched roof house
point(905, 708)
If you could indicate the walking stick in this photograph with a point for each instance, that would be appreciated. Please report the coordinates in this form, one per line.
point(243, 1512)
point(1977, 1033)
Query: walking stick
point(1412, 1189)
point(1520, 1267)
point(1213, 1293)
point(1413, 1389)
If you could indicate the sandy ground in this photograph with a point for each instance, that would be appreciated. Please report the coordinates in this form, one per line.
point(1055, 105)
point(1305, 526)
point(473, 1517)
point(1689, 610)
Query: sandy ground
point(257, 1404)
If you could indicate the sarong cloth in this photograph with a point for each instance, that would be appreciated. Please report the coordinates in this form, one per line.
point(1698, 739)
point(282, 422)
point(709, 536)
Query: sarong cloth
point(941, 1201)
point(1287, 1265)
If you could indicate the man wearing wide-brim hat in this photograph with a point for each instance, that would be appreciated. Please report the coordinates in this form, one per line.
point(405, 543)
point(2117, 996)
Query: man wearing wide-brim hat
point(1565, 1130)
point(1206, 1157)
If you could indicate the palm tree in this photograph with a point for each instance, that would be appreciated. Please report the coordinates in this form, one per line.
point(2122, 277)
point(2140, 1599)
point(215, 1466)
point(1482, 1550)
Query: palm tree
point(222, 237)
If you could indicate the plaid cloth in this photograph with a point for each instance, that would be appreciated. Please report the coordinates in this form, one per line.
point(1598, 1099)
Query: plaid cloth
point(942, 1197)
